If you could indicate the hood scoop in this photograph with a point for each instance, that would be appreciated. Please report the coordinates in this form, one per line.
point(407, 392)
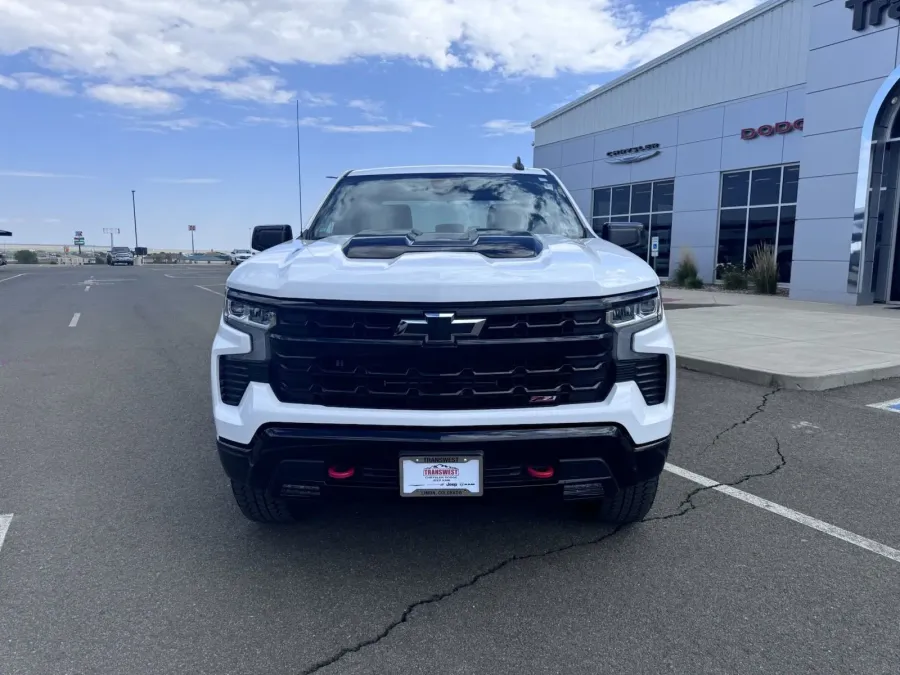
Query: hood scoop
point(495, 244)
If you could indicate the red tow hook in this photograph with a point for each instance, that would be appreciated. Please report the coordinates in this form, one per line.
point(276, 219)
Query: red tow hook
point(542, 472)
point(340, 474)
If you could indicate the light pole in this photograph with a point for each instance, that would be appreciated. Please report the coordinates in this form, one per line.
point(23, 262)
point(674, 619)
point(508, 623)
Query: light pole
point(134, 214)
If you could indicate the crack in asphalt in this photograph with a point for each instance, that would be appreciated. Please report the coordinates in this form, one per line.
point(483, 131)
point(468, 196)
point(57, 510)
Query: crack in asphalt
point(438, 597)
point(759, 409)
point(687, 505)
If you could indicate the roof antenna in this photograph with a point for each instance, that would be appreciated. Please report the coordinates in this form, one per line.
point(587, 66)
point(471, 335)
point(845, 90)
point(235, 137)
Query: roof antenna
point(518, 166)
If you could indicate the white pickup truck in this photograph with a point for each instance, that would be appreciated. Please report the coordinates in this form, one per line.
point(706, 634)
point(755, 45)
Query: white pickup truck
point(444, 332)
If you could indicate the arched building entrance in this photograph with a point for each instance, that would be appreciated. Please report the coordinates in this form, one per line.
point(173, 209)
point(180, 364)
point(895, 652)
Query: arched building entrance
point(874, 272)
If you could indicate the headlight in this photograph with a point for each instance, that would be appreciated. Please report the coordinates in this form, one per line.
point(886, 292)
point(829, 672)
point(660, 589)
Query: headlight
point(644, 310)
point(249, 313)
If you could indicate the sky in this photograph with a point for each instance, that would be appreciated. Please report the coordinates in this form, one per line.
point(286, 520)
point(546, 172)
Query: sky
point(192, 103)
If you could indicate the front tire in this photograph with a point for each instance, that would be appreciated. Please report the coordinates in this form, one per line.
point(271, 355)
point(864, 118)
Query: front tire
point(261, 506)
point(628, 505)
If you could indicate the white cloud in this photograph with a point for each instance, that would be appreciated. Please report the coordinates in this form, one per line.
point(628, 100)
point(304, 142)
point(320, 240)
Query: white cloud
point(127, 96)
point(44, 84)
point(178, 124)
point(52, 220)
point(367, 128)
point(325, 124)
point(287, 121)
point(215, 46)
point(505, 127)
point(258, 88)
point(371, 110)
point(316, 100)
point(187, 181)
point(38, 174)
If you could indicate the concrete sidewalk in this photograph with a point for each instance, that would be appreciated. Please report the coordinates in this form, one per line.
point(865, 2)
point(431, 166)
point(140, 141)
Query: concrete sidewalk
point(780, 342)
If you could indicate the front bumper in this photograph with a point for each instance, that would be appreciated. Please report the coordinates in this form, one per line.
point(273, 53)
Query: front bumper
point(624, 406)
point(588, 462)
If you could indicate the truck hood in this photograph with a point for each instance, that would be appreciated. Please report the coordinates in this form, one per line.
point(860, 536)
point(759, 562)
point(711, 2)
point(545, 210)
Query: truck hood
point(565, 268)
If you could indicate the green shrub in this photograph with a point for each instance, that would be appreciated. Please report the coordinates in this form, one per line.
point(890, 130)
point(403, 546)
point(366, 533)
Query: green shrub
point(686, 270)
point(764, 272)
point(26, 257)
point(693, 282)
point(733, 276)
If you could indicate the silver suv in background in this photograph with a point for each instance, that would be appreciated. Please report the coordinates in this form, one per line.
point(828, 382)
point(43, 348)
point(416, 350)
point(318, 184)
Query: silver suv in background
point(239, 255)
point(119, 255)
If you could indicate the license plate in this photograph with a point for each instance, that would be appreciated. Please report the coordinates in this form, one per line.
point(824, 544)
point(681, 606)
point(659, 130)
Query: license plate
point(441, 476)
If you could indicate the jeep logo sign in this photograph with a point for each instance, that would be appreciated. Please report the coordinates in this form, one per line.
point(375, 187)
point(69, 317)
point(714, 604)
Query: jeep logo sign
point(771, 129)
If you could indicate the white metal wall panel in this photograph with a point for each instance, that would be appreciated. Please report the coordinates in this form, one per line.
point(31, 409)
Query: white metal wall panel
point(766, 53)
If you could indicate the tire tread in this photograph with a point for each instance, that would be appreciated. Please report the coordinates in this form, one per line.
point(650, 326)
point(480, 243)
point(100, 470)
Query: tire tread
point(630, 504)
point(261, 506)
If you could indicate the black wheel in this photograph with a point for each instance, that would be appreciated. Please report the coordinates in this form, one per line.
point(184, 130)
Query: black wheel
point(261, 506)
point(629, 505)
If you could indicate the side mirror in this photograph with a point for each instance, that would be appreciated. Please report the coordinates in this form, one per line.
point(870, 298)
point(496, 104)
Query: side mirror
point(267, 236)
point(626, 235)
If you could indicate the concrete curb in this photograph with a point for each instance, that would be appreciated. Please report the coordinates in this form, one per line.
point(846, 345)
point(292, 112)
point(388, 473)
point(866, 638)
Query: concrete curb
point(796, 382)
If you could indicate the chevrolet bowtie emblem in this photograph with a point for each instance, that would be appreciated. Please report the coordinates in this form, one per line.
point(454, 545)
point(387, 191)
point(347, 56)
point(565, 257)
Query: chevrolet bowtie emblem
point(440, 327)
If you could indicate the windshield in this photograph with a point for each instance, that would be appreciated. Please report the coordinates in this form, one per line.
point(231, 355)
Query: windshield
point(121, 249)
point(451, 202)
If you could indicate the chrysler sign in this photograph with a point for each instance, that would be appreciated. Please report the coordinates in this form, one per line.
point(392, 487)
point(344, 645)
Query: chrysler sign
point(785, 127)
point(629, 155)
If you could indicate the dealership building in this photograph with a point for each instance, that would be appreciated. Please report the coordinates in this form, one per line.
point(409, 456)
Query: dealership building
point(779, 128)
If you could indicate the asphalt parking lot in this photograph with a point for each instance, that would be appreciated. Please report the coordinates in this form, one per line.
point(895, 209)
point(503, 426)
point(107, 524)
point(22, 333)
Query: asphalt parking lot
point(126, 554)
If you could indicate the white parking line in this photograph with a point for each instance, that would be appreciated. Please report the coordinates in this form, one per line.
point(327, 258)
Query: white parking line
point(790, 514)
point(15, 276)
point(74, 321)
point(5, 520)
point(209, 290)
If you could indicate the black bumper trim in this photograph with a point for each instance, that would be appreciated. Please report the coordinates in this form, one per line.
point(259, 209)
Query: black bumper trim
point(590, 461)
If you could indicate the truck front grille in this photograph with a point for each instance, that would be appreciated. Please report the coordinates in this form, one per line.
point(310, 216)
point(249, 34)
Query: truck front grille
point(523, 356)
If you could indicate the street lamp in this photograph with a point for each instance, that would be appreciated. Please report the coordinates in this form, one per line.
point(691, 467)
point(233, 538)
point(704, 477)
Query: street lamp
point(134, 214)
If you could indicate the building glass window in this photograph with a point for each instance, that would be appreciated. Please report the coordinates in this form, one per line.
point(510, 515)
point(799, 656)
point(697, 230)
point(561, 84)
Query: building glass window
point(648, 203)
point(758, 206)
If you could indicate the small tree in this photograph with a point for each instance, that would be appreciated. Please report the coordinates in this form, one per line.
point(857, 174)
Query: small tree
point(26, 257)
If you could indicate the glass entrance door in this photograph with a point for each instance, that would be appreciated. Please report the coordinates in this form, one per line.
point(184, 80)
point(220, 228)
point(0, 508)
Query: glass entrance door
point(887, 169)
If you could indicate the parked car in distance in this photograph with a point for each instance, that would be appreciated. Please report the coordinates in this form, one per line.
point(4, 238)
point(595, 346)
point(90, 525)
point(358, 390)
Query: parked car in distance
point(119, 255)
point(239, 255)
point(2, 259)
